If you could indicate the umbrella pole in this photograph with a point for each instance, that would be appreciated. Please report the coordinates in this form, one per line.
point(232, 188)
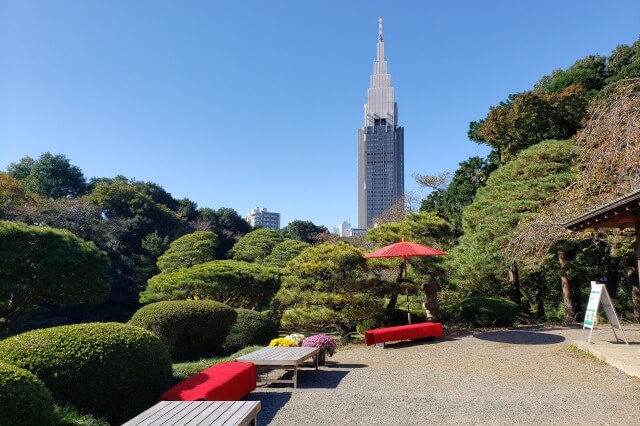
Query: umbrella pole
point(406, 277)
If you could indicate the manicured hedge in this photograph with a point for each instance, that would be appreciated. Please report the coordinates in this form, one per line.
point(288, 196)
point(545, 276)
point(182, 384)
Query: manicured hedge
point(23, 398)
point(109, 370)
point(190, 329)
point(488, 311)
point(250, 328)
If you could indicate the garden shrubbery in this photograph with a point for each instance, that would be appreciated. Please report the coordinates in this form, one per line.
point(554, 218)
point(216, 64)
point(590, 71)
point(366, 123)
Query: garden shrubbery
point(488, 311)
point(110, 370)
point(250, 328)
point(24, 400)
point(190, 329)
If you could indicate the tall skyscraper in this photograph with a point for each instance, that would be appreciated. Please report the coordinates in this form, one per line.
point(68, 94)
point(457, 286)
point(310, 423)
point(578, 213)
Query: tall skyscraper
point(380, 145)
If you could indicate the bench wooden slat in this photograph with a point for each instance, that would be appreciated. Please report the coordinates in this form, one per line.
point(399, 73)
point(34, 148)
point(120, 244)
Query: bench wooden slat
point(182, 413)
point(205, 408)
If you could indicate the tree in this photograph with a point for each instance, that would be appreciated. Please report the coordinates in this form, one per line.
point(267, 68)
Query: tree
point(237, 284)
point(226, 223)
point(460, 192)
point(422, 227)
point(52, 176)
point(624, 63)
point(12, 196)
point(326, 286)
point(285, 251)
point(43, 265)
point(139, 215)
point(529, 118)
point(480, 262)
point(256, 245)
point(609, 146)
point(188, 250)
point(303, 230)
point(153, 246)
point(21, 169)
point(590, 73)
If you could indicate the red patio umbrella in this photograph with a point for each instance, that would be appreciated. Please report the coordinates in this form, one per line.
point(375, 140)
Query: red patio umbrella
point(405, 250)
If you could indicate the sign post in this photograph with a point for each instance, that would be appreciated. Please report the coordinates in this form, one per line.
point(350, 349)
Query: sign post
point(599, 296)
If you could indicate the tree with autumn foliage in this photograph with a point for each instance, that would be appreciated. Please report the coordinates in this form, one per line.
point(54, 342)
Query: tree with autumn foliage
point(609, 147)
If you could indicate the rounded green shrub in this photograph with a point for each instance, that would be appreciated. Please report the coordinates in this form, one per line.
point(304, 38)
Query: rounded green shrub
point(109, 370)
point(250, 328)
point(23, 398)
point(488, 311)
point(190, 329)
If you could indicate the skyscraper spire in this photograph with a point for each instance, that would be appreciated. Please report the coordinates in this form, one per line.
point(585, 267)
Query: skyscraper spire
point(379, 28)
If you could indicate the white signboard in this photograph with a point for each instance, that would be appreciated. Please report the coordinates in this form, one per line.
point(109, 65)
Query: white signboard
point(600, 296)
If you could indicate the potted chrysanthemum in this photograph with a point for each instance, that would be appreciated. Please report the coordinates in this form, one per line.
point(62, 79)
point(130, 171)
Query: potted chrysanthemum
point(327, 345)
point(295, 337)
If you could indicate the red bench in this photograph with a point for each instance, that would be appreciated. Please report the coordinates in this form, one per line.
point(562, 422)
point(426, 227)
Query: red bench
point(402, 332)
point(227, 381)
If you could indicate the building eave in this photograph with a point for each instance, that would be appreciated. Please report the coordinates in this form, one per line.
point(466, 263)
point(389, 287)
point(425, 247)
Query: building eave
point(619, 213)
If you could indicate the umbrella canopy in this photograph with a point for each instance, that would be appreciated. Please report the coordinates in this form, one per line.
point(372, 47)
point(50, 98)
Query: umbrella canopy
point(404, 250)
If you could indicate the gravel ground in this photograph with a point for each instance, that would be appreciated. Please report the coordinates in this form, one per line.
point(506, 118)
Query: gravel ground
point(495, 377)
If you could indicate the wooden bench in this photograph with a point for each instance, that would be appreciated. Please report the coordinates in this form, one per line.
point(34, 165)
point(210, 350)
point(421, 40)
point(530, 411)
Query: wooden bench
point(227, 381)
point(402, 332)
point(276, 357)
point(211, 413)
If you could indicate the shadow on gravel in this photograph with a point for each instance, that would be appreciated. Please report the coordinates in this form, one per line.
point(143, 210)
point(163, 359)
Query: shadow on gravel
point(325, 378)
point(344, 365)
point(416, 342)
point(517, 337)
point(270, 404)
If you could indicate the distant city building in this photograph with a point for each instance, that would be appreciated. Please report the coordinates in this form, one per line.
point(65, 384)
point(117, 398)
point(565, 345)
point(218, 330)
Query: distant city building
point(344, 229)
point(355, 232)
point(261, 217)
point(380, 145)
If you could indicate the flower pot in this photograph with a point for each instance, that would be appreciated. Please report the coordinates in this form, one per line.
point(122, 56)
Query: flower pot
point(321, 358)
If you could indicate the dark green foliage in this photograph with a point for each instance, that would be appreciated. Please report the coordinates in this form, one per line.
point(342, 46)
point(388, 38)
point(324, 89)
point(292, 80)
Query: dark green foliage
point(21, 169)
point(529, 118)
point(110, 370)
point(285, 251)
point(190, 329)
point(132, 205)
point(227, 224)
point(512, 194)
point(256, 245)
point(188, 250)
point(69, 416)
point(42, 265)
point(24, 400)
point(50, 175)
point(461, 191)
point(237, 284)
point(488, 311)
point(589, 72)
point(326, 287)
point(303, 230)
point(250, 328)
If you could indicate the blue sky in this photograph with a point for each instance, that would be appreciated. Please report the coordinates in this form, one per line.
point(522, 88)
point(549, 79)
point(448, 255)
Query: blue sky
point(255, 103)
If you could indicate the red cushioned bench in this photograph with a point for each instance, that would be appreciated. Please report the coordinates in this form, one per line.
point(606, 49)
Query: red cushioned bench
point(227, 381)
point(402, 332)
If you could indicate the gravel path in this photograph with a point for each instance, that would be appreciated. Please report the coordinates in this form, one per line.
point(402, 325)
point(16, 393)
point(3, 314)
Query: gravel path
point(496, 377)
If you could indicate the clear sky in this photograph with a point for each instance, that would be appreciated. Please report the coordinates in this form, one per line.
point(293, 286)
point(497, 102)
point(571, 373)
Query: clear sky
point(257, 103)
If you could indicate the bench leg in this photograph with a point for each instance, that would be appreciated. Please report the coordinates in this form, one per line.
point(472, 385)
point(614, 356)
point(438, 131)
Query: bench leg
point(295, 376)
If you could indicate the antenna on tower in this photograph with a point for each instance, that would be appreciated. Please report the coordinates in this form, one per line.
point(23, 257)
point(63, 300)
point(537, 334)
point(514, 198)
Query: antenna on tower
point(379, 28)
